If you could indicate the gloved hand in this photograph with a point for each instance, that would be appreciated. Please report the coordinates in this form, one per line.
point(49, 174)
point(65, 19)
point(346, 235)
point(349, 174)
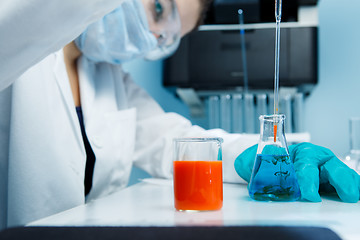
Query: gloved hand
point(314, 166)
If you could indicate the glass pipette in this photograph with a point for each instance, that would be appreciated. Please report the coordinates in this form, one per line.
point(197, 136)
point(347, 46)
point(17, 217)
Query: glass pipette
point(278, 6)
point(243, 48)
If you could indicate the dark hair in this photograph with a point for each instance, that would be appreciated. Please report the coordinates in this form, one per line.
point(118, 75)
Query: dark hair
point(205, 4)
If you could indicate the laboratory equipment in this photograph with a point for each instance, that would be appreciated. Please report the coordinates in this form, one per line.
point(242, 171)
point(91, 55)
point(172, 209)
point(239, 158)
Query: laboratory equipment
point(352, 158)
point(225, 109)
point(243, 48)
point(237, 113)
point(273, 176)
point(216, 65)
point(243, 106)
point(214, 111)
point(278, 9)
point(261, 108)
point(249, 113)
point(198, 174)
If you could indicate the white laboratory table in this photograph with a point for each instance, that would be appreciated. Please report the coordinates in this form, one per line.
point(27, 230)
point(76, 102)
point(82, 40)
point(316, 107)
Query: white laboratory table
point(150, 203)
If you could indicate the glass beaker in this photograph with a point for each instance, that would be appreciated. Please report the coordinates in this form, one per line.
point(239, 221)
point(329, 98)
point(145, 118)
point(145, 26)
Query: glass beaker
point(198, 184)
point(273, 177)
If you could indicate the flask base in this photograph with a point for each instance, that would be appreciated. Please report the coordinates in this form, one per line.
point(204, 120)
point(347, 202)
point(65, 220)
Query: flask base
point(275, 193)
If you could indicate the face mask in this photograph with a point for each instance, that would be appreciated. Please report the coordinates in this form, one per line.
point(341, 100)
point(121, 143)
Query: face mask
point(124, 34)
point(119, 36)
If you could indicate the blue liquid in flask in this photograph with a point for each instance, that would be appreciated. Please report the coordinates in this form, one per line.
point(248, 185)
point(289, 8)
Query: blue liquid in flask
point(274, 179)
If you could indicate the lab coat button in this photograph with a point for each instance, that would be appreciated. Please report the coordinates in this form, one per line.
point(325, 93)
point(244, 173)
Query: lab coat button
point(97, 142)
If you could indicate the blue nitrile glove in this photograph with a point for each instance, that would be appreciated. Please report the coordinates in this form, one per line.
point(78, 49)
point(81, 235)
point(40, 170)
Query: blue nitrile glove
point(314, 165)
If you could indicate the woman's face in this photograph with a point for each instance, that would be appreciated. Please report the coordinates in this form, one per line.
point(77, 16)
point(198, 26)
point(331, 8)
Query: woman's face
point(168, 21)
point(176, 16)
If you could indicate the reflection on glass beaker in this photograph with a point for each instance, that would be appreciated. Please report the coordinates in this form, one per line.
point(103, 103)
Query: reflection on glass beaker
point(273, 177)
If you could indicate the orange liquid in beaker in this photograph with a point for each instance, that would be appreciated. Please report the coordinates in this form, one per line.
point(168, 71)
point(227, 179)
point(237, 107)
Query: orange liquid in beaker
point(198, 185)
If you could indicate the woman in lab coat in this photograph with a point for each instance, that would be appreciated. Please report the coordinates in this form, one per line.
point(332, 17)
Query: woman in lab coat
point(43, 157)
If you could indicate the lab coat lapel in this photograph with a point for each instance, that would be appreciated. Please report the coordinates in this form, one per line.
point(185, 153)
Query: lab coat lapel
point(97, 91)
point(109, 128)
point(64, 86)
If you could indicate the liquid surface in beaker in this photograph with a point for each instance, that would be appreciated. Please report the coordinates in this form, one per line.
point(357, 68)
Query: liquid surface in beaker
point(274, 179)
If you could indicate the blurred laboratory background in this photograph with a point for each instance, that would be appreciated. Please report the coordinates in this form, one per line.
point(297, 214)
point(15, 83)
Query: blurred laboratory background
point(319, 70)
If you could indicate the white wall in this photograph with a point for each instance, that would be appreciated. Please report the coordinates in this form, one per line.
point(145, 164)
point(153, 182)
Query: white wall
point(336, 98)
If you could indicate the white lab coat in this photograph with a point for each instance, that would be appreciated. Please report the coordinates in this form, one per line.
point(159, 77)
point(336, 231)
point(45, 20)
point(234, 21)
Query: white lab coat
point(45, 155)
point(32, 29)
point(42, 156)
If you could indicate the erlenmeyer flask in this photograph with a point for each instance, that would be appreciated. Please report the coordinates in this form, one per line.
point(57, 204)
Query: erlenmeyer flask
point(273, 177)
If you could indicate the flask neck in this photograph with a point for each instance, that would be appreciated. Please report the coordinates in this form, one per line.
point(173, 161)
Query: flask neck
point(272, 134)
point(272, 128)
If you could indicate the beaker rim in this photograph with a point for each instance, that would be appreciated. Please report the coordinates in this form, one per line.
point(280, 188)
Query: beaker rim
point(199, 139)
point(273, 117)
